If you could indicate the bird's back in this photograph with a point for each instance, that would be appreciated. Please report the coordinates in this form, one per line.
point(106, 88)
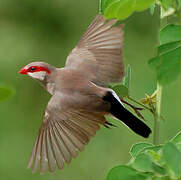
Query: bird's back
point(79, 92)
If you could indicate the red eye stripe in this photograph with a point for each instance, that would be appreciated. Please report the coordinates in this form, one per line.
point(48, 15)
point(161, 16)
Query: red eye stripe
point(33, 69)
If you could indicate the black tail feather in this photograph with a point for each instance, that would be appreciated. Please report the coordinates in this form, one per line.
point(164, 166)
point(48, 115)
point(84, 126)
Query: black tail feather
point(118, 110)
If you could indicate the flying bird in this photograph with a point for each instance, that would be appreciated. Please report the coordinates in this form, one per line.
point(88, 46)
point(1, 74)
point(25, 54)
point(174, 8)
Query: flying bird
point(80, 97)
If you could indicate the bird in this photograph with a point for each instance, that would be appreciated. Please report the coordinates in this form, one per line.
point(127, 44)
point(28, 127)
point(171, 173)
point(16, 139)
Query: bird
point(80, 98)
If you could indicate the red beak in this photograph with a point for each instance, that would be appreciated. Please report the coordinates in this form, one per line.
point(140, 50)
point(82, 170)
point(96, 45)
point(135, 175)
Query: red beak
point(23, 71)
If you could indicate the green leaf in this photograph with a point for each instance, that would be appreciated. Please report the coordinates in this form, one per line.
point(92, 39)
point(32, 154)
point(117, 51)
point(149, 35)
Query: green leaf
point(125, 173)
point(101, 6)
point(170, 33)
point(152, 8)
point(155, 155)
point(120, 90)
point(108, 3)
point(179, 4)
point(161, 178)
point(143, 162)
point(121, 9)
point(166, 4)
point(159, 170)
point(167, 65)
point(104, 4)
point(142, 4)
point(179, 146)
point(172, 157)
point(5, 92)
point(177, 138)
point(125, 9)
point(165, 48)
point(111, 10)
point(139, 147)
point(157, 166)
point(153, 148)
point(127, 78)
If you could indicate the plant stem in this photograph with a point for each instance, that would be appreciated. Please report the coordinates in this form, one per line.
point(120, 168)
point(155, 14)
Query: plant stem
point(157, 115)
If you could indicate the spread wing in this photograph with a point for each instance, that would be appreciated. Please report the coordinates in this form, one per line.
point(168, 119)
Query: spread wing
point(63, 133)
point(99, 52)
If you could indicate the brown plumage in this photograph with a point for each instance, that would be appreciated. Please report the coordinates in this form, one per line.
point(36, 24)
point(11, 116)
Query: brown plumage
point(100, 52)
point(80, 99)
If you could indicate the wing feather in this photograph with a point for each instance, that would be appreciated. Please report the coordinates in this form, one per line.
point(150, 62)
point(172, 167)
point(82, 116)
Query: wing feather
point(58, 155)
point(83, 127)
point(50, 152)
point(74, 139)
point(77, 133)
point(37, 153)
point(100, 52)
point(61, 146)
point(69, 146)
point(44, 159)
point(62, 134)
point(62, 143)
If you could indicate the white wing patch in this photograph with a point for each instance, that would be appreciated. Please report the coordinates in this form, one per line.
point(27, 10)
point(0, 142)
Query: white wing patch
point(116, 96)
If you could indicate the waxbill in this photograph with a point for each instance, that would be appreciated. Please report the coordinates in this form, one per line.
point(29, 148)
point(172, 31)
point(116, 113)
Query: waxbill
point(80, 99)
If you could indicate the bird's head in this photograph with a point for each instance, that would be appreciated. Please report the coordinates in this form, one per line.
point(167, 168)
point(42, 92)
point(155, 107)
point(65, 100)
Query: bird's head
point(37, 70)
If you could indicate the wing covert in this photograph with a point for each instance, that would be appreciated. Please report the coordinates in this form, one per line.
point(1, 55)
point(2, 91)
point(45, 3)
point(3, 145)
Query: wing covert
point(99, 52)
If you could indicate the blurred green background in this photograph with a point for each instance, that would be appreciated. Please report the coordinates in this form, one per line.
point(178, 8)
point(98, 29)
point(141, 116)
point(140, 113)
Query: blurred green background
point(47, 30)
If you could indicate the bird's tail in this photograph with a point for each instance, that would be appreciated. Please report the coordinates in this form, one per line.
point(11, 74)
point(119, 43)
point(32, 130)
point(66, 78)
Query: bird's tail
point(120, 112)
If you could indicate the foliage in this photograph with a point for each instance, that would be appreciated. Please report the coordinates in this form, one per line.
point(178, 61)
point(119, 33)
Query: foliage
point(121, 9)
point(154, 162)
point(151, 162)
point(167, 70)
point(167, 63)
point(170, 8)
point(122, 89)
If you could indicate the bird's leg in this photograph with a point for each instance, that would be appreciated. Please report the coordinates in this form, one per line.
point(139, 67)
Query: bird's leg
point(109, 125)
point(136, 109)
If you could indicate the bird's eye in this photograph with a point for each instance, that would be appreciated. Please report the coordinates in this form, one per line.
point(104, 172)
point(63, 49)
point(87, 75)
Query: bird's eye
point(32, 69)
